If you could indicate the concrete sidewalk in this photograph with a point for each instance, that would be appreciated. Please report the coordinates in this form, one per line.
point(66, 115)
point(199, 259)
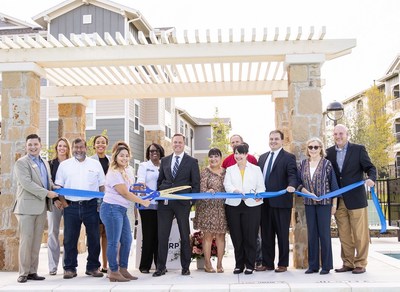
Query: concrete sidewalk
point(383, 274)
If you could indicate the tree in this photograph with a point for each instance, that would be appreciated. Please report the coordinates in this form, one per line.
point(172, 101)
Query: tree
point(220, 134)
point(373, 128)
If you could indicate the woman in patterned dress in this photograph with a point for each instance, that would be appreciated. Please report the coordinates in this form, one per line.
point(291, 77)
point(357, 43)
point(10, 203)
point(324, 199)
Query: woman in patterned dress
point(210, 214)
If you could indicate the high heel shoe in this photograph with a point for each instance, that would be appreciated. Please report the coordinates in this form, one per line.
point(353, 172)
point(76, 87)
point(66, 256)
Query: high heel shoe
point(220, 270)
point(209, 270)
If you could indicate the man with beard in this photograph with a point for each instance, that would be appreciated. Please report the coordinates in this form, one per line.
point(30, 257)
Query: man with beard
point(82, 173)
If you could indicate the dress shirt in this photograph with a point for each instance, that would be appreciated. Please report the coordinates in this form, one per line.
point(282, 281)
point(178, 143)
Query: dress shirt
point(340, 155)
point(276, 153)
point(174, 159)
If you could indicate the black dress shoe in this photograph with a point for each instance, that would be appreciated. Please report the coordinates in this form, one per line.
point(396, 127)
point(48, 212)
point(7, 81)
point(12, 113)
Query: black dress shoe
point(237, 271)
point(159, 273)
point(145, 271)
point(324, 272)
point(248, 271)
point(311, 271)
point(185, 272)
point(344, 269)
point(35, 276)
point(22, 279)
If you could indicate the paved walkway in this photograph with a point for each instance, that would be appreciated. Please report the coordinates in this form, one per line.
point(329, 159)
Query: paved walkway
point(383, 274)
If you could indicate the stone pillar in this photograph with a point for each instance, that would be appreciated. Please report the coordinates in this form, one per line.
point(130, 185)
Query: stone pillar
point(305, 121)
point(19, 109)
point(157, 136)
point(72, 119)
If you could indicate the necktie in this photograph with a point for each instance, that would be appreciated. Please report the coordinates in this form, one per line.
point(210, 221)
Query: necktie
point(176, 165)
point(268, 172)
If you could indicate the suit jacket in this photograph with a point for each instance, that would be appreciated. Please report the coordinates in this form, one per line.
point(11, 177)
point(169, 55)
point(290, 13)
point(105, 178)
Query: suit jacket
point(253, 180)
point(283, 174)
point(188, 174)
point(355, 164)
point(31, 197)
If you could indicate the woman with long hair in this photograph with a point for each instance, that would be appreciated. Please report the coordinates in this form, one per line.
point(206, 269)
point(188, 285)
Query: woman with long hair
point(113, 213)
point(61, 153)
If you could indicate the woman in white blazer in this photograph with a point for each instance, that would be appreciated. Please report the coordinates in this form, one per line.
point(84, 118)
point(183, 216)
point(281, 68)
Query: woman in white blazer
point(243, 215)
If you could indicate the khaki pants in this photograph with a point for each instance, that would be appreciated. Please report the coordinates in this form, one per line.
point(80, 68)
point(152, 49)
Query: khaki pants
point(353, 234)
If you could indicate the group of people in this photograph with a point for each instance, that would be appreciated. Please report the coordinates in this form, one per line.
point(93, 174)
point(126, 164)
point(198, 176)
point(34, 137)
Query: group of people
point(246, 220)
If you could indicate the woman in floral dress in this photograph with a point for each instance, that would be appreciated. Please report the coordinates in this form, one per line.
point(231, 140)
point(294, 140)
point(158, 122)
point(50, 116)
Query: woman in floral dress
point(210, 214)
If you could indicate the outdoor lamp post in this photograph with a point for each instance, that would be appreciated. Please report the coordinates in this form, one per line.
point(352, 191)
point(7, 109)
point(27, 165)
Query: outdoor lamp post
point(335, 111)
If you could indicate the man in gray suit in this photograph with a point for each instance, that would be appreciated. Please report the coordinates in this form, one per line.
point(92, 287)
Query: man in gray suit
point(34, 185)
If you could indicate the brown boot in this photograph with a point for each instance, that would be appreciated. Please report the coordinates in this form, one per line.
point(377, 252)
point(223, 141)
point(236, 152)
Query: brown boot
point(124, 272)
point(117, 277)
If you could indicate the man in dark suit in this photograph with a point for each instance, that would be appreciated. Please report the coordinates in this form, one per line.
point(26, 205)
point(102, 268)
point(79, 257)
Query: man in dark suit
point(280, 172)
point(177, 169)
point(350, 162)
point(34, 191)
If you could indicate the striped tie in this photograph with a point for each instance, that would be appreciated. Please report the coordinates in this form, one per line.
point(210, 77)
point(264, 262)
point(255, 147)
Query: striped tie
point(176, 165)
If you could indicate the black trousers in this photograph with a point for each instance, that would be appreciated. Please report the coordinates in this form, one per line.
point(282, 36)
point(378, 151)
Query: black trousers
point(275, 222)
point(149, 239)
point(166, 213)
point(244, 223)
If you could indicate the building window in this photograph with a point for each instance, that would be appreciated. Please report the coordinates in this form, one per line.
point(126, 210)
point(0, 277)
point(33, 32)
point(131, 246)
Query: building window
point(168, 132)
point(181, 127)
point(398, 164)
point(360, 106)
point(397, 130)
point(91, 115)
point(396, 93)
point(136, 164)
point(136, 118)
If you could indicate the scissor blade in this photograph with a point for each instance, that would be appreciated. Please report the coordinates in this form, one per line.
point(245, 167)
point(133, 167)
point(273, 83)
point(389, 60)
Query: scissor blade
point(173, 190)
point(173, 196)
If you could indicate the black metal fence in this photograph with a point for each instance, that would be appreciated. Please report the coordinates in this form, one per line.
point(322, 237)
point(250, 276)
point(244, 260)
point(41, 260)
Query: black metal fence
point(388, 192)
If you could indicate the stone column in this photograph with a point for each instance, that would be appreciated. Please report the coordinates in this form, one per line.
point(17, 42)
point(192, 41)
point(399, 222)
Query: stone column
point(20, 104)
point(305, 121)
point(71, 125)
point(72, 118)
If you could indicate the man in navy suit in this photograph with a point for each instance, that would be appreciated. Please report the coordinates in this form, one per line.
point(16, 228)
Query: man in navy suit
point(177, 169)
point(280, 172)
point(350, 162)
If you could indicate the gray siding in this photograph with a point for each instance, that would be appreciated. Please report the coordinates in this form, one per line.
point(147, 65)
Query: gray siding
point(115, 130)
point(136, 142)
point(202, 135)
point(102, 21)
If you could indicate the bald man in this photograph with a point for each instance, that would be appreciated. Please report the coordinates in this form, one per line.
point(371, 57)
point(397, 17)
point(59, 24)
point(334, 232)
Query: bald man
point(350, 162)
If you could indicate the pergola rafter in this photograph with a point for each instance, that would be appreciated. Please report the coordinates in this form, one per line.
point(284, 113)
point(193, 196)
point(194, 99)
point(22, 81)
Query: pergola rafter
point(165, 65)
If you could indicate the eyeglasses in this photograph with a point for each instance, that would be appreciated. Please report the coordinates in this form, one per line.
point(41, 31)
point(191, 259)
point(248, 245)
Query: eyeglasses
point(154, 151)
point(313, 147)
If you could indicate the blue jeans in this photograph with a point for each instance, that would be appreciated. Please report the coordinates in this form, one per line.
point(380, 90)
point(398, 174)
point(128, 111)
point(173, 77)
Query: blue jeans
point(74, 215)
point(118, 230)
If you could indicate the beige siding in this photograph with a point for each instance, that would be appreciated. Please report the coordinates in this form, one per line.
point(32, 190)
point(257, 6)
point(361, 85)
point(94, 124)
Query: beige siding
point(149, 114)
point(107, 108)
point(42, 121)
point(53, 110)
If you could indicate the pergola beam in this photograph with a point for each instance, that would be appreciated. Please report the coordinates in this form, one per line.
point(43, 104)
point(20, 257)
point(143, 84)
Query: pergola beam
point(199, 53)
point(166, 90)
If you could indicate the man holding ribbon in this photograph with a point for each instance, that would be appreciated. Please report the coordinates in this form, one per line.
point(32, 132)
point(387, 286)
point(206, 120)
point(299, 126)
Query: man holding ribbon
point(350, 162)
point(81, 173)
point(34, 191)
point(177, 169)
point(280, 172)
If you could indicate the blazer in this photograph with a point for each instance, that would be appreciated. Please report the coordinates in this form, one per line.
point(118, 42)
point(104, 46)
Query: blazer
point(253, 181)
point(188, 174)
point(283, 174)
point(355, 164)
point(31, 197)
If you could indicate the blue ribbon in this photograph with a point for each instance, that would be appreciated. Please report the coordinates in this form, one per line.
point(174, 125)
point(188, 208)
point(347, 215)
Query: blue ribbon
point(155, 195)
point(378, 208)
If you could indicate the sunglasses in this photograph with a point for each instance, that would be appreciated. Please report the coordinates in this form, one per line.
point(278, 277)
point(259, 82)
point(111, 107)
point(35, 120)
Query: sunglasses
point(154, 151)
point(313, 147)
